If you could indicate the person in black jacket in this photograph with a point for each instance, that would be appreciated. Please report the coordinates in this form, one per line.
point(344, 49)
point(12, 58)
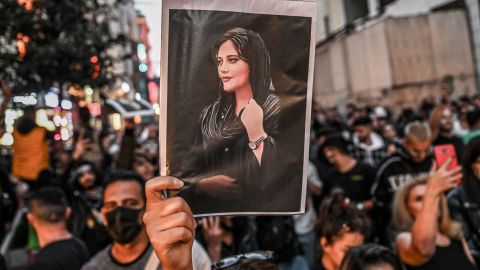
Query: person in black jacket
point(85, 199)
point(48, 214)
point(413, 159)
point(464, 201)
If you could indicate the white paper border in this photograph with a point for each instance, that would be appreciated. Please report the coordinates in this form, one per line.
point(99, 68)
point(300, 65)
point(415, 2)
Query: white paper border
point(267, 7)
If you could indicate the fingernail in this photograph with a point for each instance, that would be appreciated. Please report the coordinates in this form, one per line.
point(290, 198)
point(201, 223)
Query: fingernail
point(178, 182)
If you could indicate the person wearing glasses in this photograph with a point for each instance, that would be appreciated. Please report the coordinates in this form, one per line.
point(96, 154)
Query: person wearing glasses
point(413, 159)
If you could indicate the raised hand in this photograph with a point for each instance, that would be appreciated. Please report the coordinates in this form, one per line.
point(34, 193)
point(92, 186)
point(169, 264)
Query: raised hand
point(213, 234)
point(252, 119)
point(442, 179)
point(170, 224)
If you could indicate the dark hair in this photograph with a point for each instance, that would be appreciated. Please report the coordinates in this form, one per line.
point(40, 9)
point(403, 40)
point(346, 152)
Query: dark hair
point(75, 185)
point(337, 216)
point(124, 176)
point(48, 204)
point(473, 118)
point(362, 121)
point(336, 141)
point(251, 49)
point(470, 181)
point(369, 255)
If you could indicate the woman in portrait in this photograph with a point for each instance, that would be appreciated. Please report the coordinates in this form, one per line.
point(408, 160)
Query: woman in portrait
point(230, 168)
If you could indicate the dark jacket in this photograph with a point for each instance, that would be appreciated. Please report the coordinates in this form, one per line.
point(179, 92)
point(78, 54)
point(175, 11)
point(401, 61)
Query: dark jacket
point(467, 212)
point(396, 171)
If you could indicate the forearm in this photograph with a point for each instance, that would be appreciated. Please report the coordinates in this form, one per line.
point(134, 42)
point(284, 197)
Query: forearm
point(259, 153)
point(215, 251)
point(425, 227)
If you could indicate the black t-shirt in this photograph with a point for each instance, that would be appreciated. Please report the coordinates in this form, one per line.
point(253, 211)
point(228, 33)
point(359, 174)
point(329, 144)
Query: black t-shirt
point(356, 183)
point(449, 257)
point(68, 254)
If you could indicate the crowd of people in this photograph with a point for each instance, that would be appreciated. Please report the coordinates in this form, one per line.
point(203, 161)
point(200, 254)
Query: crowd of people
point(377, 198)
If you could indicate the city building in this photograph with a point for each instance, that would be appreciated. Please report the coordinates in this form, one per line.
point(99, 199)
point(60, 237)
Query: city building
point(394, 52)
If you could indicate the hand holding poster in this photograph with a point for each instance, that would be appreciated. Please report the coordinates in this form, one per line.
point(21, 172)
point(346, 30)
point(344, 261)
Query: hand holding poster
point(236, 99)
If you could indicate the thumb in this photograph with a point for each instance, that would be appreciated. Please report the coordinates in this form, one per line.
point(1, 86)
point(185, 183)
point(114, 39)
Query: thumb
point(155, 186)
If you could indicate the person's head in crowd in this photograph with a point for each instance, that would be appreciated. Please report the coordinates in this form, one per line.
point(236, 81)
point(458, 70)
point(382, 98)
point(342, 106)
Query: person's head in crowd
point(408, 202)
point(417, 140)
point(370, 257)
point(471, 169)
point(123, 206)
point(332, 117)
point(406, 116)
point(389, 133)
point(464, 101)
point(48, 212)
point(426, 107)
point(473, 119)
point(363, 128)
point(143, 166)
point(335, 147)
point(476, 101)
point(85, 176)
point(340, 226)
point(441, 121)
point(381, 115)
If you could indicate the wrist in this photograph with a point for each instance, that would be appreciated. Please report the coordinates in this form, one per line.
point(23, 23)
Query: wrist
point(256, 135)
point(431, 195)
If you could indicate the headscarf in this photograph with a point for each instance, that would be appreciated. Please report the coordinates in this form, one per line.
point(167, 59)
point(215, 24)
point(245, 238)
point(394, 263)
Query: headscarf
point(217, 122)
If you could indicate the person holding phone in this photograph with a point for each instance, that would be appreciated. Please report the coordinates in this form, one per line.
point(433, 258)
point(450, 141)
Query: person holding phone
point(427, 236)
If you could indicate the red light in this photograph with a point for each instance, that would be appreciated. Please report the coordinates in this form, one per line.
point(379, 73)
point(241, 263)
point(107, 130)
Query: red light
point(96, 68)
point(57, 137)
point(94, 59)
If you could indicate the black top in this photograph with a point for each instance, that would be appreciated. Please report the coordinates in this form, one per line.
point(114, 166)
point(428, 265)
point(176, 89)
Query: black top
point(356, 183)
point(68, 254)
point(447, 258)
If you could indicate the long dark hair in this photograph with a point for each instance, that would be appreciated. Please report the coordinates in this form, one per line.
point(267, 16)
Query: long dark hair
point(251, 49)
point(470, 182)
point(337, 216)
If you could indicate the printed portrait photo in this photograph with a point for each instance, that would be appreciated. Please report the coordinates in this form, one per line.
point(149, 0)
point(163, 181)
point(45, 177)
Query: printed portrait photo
point(237, 110)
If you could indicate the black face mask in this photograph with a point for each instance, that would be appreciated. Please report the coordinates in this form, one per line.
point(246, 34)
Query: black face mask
point(123, 224)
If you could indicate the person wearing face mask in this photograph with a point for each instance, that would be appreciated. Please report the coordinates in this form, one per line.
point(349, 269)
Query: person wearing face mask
point(122, 211)
point(464, 201)
point(86, 199)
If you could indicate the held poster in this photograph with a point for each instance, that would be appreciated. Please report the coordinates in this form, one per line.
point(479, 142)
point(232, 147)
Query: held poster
point(235, 101)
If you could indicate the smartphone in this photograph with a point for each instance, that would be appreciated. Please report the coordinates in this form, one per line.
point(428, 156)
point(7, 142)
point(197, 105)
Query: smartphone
point(443, 153)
